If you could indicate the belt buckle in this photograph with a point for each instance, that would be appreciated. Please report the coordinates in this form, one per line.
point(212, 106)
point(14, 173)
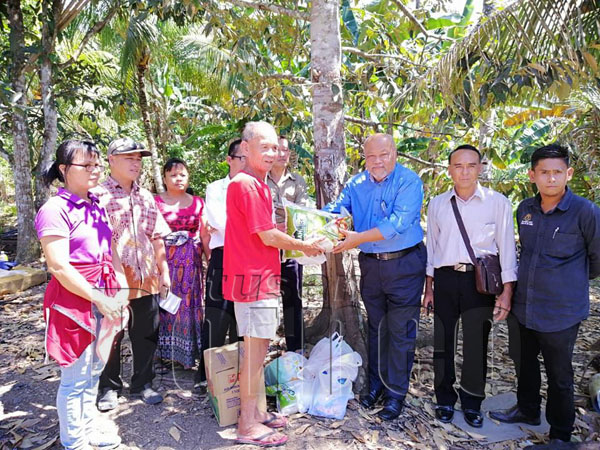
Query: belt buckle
point(460, 267)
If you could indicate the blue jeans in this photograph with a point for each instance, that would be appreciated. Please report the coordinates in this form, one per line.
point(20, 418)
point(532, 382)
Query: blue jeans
point(76, 396)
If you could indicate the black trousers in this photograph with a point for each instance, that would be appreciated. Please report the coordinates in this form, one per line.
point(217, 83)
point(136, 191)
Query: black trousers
point(455, 297)
point(391, 291)
point(143, 333)
point(557, 351)
point(219, 314)
point(291, 293)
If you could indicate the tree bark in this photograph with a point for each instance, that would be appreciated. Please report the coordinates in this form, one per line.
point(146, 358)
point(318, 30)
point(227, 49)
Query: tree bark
point(145, 112)
point(340, 290)
point(51, 12)
point(27, 243)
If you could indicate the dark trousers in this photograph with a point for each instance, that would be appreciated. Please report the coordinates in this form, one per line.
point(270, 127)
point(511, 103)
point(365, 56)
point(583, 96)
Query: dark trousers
point(557, 351)
point(455, 297)
point(219, 314)
point(291, 293)
point(143, 333)
point(391, 291)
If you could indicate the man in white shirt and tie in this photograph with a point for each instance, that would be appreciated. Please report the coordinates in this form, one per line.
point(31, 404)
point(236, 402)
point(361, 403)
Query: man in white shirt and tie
point(219, 315)
point(450, 283)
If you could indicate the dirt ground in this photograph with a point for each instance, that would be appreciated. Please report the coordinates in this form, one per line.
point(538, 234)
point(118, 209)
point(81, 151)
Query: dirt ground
point(185, 420)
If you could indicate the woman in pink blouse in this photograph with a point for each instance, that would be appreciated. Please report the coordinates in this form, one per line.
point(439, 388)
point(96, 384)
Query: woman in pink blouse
point(80, 307)
point(180, 334)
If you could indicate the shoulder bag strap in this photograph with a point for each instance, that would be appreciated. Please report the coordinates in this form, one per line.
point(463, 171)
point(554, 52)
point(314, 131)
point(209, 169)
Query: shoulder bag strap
point(463, 231)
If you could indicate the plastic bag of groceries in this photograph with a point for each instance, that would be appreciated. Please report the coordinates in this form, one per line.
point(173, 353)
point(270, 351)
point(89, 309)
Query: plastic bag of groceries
point(307, 223)
point(332, 387)
point(296, 396)
point(284, 369)
point(327, 350)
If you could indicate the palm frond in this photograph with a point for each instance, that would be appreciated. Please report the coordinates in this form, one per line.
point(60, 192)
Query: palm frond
point(532, 48)
point(142, 34)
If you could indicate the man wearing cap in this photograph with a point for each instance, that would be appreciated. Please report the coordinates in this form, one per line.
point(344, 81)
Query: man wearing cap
point(138, 229)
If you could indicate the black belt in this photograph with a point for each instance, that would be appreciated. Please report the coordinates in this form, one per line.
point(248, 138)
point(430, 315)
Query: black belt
point(391, 255)
point(460, 267)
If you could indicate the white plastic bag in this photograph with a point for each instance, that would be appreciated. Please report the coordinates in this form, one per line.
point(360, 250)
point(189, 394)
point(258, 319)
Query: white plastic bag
point(324, 353)
point(296, 396)
point(331, 395)
point(333, 387)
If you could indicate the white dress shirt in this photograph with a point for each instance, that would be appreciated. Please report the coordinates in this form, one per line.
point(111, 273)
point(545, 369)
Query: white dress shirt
point(488, 219)
point(216, 212)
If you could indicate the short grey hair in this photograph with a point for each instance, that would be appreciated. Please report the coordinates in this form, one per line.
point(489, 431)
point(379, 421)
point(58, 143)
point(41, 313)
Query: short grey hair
point(252, 128)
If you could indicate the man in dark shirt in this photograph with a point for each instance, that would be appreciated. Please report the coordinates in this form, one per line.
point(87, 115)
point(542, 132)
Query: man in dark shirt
point(560, 239)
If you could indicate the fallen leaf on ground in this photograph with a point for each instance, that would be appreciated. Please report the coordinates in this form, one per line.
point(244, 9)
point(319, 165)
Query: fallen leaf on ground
point(359, 437)
point(337, 424)
point(175, 433)
point(303, 428)
point(47, 444)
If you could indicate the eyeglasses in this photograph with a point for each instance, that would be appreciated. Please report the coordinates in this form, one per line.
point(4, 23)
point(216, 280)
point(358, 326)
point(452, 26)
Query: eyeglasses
point(241, 158)
point(90, 167)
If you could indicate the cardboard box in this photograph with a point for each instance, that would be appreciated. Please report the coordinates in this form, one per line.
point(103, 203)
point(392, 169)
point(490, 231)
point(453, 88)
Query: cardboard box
point(222, 376)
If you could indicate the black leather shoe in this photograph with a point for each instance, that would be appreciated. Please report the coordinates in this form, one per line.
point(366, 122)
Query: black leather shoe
point(369, 399)
point(514, 415)
point(473, 418)
point(392, 407)
point(444, 413)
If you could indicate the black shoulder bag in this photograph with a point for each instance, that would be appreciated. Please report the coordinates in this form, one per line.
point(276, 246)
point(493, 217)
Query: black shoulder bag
point(487, 268)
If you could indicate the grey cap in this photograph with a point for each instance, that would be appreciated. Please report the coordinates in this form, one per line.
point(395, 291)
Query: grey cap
point(124, 145)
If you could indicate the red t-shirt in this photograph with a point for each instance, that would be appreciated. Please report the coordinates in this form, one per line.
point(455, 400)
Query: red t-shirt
point(251, 269)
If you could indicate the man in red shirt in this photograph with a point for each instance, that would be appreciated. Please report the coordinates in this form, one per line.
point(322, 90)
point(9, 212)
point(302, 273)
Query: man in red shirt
point(251, 275)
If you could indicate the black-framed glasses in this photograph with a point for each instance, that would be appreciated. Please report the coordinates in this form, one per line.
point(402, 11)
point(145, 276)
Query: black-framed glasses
point(90, 167)
point(241, 158)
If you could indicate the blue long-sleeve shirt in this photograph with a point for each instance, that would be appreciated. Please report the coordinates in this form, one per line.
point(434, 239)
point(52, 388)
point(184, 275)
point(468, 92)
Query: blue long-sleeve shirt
point(393, 205)
point(560, 253)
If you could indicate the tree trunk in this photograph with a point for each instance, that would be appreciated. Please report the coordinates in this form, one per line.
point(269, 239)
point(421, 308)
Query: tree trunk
point(340, 289)
point(51, 13)
point(27, 243)
point(144, 110)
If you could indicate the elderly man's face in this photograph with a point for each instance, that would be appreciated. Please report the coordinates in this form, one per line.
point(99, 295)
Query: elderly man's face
point(261, 150)
point(380, 157)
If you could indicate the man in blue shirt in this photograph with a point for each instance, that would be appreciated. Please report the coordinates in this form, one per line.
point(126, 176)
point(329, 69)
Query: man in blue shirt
point(560, 240)
point(385, 203)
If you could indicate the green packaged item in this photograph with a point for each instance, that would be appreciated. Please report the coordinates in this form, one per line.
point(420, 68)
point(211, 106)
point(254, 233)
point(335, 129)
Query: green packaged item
point(305, 223)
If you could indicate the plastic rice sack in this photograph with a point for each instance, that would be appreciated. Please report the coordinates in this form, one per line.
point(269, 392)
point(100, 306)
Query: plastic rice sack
point(305, 223)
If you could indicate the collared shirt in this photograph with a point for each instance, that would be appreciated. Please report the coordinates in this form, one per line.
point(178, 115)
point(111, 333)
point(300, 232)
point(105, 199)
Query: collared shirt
point(136, 222)
point(290, 186)
point(84, 224)
point(392, 205)
point(488, 219)
point(216, 210)
point(560, 253)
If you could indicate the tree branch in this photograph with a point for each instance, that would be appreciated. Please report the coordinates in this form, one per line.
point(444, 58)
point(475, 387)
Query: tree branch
point(370, 123)
point(300, 15)
point(98, 26)
point(414, 20)
point(286, 76)
point(377, 56)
